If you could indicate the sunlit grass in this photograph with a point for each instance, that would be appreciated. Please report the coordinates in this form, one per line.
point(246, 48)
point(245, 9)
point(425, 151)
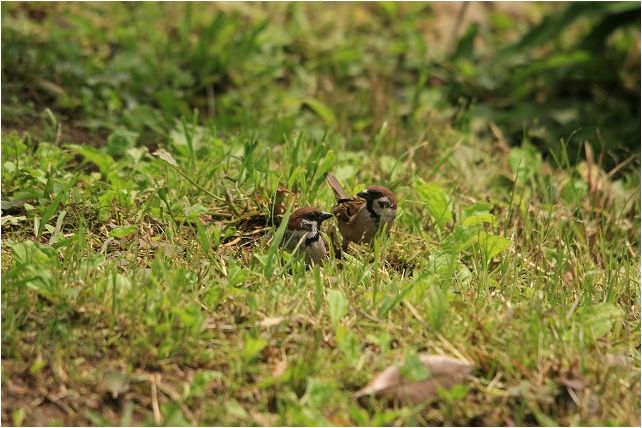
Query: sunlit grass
point(160, 265)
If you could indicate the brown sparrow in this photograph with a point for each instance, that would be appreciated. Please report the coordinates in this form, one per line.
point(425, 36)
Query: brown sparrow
point(361, 218)
point(304, 226)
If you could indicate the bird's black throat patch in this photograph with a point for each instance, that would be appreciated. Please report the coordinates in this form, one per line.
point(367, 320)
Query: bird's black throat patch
point(372, 212)
point(311, 240)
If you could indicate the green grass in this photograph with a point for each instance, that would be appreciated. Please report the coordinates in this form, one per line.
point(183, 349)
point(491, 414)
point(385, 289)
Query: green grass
point(163, 269)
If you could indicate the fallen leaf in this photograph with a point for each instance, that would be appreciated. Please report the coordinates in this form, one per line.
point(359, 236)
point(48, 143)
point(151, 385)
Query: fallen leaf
point(572, 378)
point(443, 372)
point(12, 220)
point(616, 360)
point(114, 382)
point(7, 205)
point(164, 155)
point(280, 367)
point(270, 322)
point(264, 419)
point(576, 383)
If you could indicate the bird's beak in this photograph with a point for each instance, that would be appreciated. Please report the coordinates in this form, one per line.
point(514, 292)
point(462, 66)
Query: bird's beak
point(363, 194)
point(325, 216)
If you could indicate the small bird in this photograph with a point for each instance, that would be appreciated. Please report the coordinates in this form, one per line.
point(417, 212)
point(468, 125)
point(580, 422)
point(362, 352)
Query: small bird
point(305, 226)
point(360, 218)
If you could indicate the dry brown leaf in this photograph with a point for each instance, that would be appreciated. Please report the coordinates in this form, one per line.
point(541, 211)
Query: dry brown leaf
point(444, 372)
point(572, 378)
point(114, 382)
point(574, 382)
point(264, 419)
point(616, 360)
point(164, 155)
point(270, 322)
point(280, 367)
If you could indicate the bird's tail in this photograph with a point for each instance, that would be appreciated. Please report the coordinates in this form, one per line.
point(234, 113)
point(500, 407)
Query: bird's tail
point(332, 181)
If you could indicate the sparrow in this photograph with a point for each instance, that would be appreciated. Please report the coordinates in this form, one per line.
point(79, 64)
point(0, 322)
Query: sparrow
point(361, 217)
point(304, 226)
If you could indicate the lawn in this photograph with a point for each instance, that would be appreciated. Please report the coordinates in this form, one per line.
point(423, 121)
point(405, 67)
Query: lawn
point(143, 148)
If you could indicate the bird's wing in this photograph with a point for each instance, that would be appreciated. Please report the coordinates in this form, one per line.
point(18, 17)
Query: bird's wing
point(347, 210)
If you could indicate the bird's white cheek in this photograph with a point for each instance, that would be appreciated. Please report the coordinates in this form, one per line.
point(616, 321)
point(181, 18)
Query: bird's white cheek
point(312, 228)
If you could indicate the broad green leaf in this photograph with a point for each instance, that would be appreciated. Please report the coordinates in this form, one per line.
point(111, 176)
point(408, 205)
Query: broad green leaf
point(337, 305)
point(102, 160)
point(390, 7)
point(18, 416)
point(42, 282)
point(252, 347)
point(56, 230)
point(598, 319)
point(466, 43)
point(347, 342)
point(49, 187)
point(32, 253)
point(38, 364)
point(235, 409)
point(189, 317)
point(192, 211)
point(478, 208)
point(326, 163)
point(49, 211)
point(97, 419)
point(391, 301)
point(437, 308)
point(526, 160)
point(574, 190)
point(120, 141)
point(477, 219)
point(122, 231)
point(276, 242)
point(461, 239)
point(553, 62)
point(442, 262)
point(202, 236)
point(201, 381)
point(556, 23)
point(298, 172)
point(436, 199)
point(492, 245)
point(456, 393)
point(321, 110)
point(128, 413)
